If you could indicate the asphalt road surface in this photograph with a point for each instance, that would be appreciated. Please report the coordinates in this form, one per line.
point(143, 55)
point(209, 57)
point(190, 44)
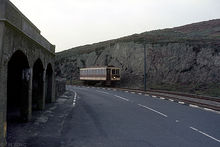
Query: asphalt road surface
point(97, 117)
point(110, 118)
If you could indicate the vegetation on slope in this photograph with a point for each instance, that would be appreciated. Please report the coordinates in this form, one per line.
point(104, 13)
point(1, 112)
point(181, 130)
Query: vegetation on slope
point(207, 31)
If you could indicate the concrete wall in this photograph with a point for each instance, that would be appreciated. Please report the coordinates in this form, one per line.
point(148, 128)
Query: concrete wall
point(15, 17)
point(17, 33)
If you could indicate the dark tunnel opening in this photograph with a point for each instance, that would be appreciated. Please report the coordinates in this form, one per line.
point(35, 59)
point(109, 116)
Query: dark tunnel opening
point(17, 88)
point(37, 86)
point(48, 91)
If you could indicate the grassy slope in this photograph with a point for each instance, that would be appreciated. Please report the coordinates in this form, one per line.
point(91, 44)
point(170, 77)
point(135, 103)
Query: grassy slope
point(202, 31)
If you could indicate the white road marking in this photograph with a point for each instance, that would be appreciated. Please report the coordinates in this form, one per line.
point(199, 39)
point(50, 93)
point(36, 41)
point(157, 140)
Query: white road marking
point(74, 100)
point(162, 98)
point(194, 106)
point(114, 89)
point(211, 110)
point(102, 92)
point(153, 110)
point(207, 135)
point(171, 100)
point(177, 121)
point(181, 102)
point(103, 88)
point(126, 91)
point(146, 94)
point(154, 96)
point(121, 98)
point(140, 93)
point(75, 95)
point(208, 109)
point(133, 92)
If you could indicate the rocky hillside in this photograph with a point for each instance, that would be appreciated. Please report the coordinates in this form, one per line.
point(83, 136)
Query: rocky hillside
point(185, 58)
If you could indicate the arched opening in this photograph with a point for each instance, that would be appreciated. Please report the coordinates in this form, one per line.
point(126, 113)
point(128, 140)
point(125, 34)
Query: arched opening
point(17, 88)
point(48, 90)
point(37, 85)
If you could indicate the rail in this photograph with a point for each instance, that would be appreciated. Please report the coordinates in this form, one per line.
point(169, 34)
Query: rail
point(198, 100)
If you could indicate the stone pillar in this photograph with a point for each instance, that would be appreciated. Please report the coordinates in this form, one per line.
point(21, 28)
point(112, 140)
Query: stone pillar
point(30, 95)
point(53, 99)
point(3, 127)
point(3, 82)
point(3, 104)
point(42, 101)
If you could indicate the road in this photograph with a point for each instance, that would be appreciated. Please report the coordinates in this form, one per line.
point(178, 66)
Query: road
point(111, 118)
point(97, 117)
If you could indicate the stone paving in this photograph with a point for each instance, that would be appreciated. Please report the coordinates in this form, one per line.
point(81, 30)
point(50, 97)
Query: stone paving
point(46, 126)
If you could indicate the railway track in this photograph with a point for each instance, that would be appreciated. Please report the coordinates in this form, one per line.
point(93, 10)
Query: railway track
point(190, 99)
point(188, 95)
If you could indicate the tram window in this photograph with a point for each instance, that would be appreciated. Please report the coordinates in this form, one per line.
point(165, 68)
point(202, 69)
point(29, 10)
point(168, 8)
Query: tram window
point(117, 71)
point(113, 71)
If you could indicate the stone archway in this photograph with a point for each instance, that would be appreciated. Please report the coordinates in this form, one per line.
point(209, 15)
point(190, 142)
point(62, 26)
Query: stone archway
point(38, 85)
point(18, 88)
point(49, 83)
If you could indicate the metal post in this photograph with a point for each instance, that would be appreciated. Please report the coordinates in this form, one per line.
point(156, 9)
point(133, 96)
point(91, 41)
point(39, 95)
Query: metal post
point(144, 66)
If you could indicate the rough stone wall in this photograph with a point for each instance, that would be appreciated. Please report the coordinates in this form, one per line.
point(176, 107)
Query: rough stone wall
point(192, 63)
point(60, 87)
point(184, 63)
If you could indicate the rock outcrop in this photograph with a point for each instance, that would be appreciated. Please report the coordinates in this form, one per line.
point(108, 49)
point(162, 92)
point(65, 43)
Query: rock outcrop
point(185, 59)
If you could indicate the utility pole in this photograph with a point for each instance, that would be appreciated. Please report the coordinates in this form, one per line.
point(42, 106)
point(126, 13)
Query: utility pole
point(145, 88)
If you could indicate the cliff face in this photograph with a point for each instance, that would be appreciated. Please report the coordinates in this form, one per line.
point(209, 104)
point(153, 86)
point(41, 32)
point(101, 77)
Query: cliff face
point(175, 61)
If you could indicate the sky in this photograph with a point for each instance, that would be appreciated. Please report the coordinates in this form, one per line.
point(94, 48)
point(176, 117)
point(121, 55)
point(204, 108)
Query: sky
point(72, 23)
